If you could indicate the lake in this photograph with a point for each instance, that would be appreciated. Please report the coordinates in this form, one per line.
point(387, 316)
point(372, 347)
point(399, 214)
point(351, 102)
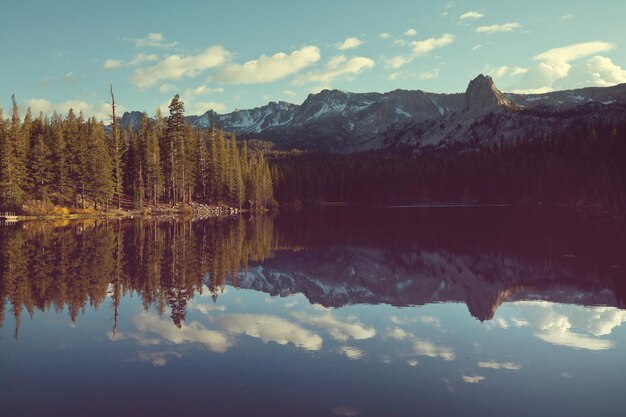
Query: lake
point(341, 311)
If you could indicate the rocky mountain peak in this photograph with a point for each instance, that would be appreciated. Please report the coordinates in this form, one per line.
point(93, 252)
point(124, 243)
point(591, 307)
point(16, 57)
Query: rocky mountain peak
point(131, 119)
point(482, 95)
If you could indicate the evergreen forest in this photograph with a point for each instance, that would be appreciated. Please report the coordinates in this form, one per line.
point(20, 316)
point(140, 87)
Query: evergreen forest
point(60, 164)
point(51, 163)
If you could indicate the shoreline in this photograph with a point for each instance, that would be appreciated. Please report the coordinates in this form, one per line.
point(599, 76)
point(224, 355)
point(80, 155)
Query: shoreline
point(200, 210)
point(192, 210)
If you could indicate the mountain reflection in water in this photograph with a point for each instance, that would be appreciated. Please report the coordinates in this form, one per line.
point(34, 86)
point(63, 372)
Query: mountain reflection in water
point(481, 257)
point(376, 287)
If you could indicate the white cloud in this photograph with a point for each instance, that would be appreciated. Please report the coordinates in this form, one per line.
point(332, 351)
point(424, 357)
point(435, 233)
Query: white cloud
point(271, 329)
point(349, 44)
point(519, 322)
point(202, 90)
point(318, 88)
point(192, 332)
point(338, 330)
point(338, 66)
point(476, 47)
point(166, 88)
point(412, 362)
point(157, 359)
point(137, 60)
point(473, 379)
point(501, 71)
point(430, 320)
point(289, 93)
point(38, 105)
point(568, 53)
point(426, 348)
point(292, 303)
point(202, 107)
point(561, 336)
point(154, 40)
point(410, 32)
point(557, 68)
point(429, 75)
point(539, 90)
point(267, 69)
point(174, 67)
point(402, 320)
point(420, 48)
point(519, 71)
point(556, 324)
point(427, 45)
point(497, 322)
point(204, 308)
point(140, 338)
point(112, 64)
point(100, 111)
point(384, 35)
point(505, 27)
point(471, 15)
point(601, 322)
point(398, 61)
point(599, 71)
point(351, 352)
point(510, 366)
point(141, 58)
point(566, 17)
point(400, 334)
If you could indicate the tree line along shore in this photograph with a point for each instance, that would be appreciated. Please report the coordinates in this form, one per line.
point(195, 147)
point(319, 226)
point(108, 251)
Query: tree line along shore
point(72, 165)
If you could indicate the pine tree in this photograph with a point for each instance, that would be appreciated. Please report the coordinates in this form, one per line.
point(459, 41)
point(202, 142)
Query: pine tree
point(245, 172)
point(7, 192)
point(236, 179)
point(174, 137)
point(76, 147)
point(140, 194)
point(117, 149)
point(39, 168)
point(191, 139)
point(221, 168)
point(211, 171)
point(99, 173)
point(202, 166)
point(19, 136)
point(152, 163)
point(59, 161)
point(12, 161)
point(22, 145)
point(134, 164)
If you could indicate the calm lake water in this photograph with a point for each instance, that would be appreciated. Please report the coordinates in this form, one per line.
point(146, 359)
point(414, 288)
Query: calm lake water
point(337, 312)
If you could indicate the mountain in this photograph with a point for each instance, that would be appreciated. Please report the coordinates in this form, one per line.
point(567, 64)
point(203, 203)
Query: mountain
point(351, 274)
point(482, 96)
point(340, 121)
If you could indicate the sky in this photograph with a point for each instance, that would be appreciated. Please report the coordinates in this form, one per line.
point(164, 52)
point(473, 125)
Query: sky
point(227, 55)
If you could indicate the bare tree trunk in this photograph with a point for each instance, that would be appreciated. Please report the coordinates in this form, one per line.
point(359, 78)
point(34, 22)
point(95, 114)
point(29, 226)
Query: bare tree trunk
point(116, 152)
point(173, 170)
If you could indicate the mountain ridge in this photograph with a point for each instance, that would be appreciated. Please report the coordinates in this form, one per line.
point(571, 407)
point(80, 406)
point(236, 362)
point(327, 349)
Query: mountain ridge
point(344, 122)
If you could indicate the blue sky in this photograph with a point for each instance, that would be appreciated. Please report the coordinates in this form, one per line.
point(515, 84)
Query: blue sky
point(241, 54)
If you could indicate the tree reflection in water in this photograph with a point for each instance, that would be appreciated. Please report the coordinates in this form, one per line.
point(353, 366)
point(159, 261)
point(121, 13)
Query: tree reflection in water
point(397, 256)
